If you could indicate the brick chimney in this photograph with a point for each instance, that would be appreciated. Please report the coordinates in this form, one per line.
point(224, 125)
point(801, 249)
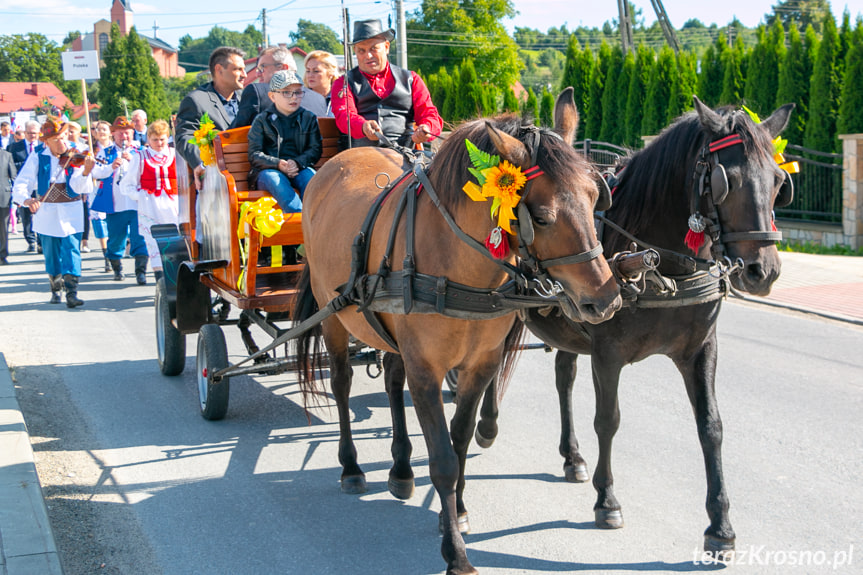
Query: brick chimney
point(35, 89)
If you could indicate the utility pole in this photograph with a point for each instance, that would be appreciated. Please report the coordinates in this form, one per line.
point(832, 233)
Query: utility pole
point(625, 26)
point(155, 28)
point(264, 27)
point(401, 36)
point(665, 24)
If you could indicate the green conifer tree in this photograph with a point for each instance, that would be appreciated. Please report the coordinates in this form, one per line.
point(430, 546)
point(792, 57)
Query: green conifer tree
point(794, 87)
point(732, 74)
point(659, 92)
point(449, 108)
point(510, 102)
point(851, 108)
point(762, 80)
point(530, 111)
point(820, 131)
point(710, 78)
point(469, 103)
point(644, 62)
point(546, 108)
point(593, 115)
point(684, 86)
point(131, 75)
point(622, 91)
point(612, 118)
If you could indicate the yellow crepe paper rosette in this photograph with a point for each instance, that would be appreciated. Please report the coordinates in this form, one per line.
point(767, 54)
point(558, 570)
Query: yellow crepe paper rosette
point(262, 216)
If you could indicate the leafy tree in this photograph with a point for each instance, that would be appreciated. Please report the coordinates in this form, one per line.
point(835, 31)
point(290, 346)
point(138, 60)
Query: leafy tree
point(611, 129)
point(851, 109)
point(762, 81)
point(197, 51)
point(801, 12)
point(445, 32)
point(70, 37)
point(33, 58)
point(593, 120)
point(530, 111)
point(824, 92)
point(732, 74)
point(313, 36)
point(644, 62)
point(794, 77)
point(710, 79)
point(177, 88)
point(131, 75)
point(662, 76)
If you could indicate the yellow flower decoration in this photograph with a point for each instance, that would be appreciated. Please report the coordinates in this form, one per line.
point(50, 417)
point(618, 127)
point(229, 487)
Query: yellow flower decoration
point(203, 138)
point(498, 180)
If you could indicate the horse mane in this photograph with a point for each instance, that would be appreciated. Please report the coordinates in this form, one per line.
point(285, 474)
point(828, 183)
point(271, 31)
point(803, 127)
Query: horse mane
point(658, 178)
point(448, 170)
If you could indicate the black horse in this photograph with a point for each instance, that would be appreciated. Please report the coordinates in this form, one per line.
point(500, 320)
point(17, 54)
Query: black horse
point(716, 163)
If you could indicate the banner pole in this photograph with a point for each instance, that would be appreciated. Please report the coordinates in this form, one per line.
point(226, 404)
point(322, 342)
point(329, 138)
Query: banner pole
point(87, 114)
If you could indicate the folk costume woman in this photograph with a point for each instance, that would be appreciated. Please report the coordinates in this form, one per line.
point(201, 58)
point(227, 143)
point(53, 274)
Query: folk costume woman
point(152, 182)
point(57, 213)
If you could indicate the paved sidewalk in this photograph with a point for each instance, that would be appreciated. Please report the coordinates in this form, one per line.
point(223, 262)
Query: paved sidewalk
point(828, 286)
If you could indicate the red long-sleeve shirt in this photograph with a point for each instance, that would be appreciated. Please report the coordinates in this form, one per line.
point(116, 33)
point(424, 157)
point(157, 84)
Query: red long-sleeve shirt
point(383, 83)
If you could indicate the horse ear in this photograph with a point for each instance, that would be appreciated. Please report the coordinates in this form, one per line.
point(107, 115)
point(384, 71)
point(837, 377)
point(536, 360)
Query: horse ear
point(709, 119)
point(566, 115)
point(778, 120)
point(508, 147)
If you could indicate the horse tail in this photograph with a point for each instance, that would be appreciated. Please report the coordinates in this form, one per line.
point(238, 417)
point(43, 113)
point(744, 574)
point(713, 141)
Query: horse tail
point(511, 353)
point(309, 345)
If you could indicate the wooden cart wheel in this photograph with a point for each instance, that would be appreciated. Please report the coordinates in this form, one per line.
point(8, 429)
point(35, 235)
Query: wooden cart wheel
point(170, 343)
point(212, 356)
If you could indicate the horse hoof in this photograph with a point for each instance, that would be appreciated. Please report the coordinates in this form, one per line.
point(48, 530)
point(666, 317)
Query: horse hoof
point(401, 488)
point(608, 518)
point(719, 549)
point(576, 473)
point(354, 484)
point(484, 442)
point(463, 523)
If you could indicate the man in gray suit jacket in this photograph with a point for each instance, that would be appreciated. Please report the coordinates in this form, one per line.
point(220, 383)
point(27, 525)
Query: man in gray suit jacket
point(7, 176)
point(220, 99)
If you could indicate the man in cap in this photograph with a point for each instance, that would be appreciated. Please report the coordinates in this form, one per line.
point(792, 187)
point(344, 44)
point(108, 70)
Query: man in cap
point(255, 100)
point(56, 207)
point(376, 96)
point(284, 143)
point(219, 99)
point(121, 212)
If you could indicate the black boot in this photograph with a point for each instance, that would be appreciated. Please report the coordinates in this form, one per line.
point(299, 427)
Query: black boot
point(141, 269)
point(71, 283)
point(107, 262)
point(157, 275)
point(56, 288)
point(117, 266)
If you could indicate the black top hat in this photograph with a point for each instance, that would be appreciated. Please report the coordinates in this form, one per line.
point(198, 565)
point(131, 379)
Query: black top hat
point(365, 29)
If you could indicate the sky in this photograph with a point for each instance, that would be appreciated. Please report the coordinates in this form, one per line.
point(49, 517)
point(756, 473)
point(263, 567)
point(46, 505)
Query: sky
point(55, 18)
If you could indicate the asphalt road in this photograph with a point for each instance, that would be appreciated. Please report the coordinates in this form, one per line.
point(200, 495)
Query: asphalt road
point(137, 482)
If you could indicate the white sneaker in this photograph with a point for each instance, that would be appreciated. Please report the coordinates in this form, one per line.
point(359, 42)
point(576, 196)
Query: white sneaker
point(85, 250)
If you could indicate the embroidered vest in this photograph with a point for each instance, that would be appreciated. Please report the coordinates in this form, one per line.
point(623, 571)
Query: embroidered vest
point(104, 200)
point(158, 174)
point(43, 175)
point(394, 113)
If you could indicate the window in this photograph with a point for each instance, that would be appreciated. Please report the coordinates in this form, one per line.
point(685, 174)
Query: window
point(103, 41)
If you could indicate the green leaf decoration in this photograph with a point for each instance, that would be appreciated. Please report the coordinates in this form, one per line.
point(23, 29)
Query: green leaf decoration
point(752, 115)
point(495, 204)
point(481, 160)
point(205, 119)
point(478, 175)
point(779, 145)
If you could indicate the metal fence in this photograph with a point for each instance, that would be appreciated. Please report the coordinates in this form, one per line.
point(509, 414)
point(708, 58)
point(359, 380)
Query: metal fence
point(817, 188)
point(602, 154)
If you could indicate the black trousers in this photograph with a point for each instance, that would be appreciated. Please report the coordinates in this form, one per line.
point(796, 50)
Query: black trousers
point(4, 233)
point(27, 225)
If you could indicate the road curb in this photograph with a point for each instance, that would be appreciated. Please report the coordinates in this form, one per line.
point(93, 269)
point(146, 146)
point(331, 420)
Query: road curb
point(798, 308)
point(27, 544)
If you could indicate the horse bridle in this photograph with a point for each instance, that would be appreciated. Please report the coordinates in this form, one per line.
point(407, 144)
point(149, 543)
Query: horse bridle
point(710, 186)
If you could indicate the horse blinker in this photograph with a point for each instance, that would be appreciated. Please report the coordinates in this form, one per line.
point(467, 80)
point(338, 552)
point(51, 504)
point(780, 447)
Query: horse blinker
point(525, 224)
point(603, 201)
point(786, 192)
point(718, 184)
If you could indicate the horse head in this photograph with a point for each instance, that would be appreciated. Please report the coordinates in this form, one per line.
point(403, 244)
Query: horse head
point(741, 183)
point(554, 227)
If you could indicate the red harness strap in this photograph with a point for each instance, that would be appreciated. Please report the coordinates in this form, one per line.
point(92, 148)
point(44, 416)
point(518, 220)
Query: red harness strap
point(725, 142)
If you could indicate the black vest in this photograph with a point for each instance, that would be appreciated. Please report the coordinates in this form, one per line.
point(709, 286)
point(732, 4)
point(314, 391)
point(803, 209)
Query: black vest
point(395, 113)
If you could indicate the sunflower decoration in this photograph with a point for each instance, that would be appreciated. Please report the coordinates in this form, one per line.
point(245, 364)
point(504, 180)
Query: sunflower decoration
point(501, 181)
point(204, 136)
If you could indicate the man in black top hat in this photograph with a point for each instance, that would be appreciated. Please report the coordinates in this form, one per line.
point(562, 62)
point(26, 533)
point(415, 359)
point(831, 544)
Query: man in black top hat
point(376, 96)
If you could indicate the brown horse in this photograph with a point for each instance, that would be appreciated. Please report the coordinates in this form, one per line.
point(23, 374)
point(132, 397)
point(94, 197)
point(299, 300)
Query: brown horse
point(424, 344)
point(657, 191)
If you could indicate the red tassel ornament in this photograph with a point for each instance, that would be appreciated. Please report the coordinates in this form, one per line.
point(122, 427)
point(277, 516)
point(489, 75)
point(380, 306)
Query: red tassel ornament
point(694, 240)
point(497, 243)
